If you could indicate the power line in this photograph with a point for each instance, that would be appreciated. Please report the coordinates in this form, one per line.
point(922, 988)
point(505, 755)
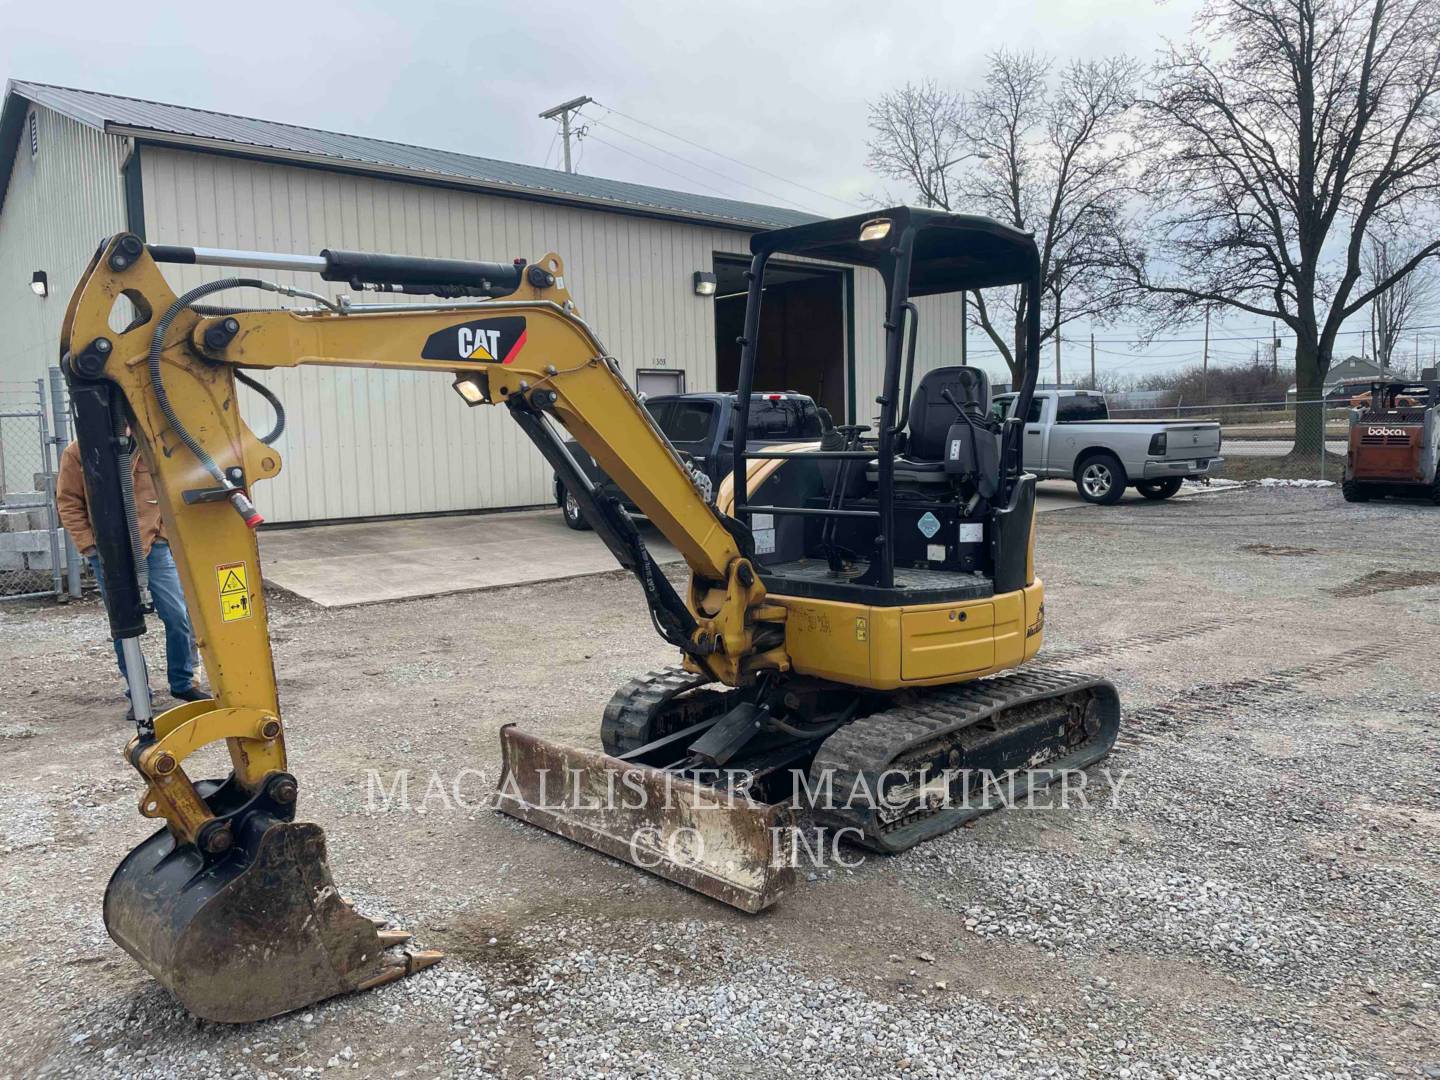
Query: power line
point(688, 161)
point(656, 164)
point(1215, 338)
point(735, 160)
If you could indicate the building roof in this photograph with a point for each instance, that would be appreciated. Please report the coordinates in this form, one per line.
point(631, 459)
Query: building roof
point(200, 129)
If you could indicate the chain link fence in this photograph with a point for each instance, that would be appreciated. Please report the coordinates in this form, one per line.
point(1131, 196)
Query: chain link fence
point(1270, 439)
point(36, 556)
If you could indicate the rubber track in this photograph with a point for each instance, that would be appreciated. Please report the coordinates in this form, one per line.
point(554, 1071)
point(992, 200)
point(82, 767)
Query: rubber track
point(626, 722)
point(862, 750)
point(626, 717)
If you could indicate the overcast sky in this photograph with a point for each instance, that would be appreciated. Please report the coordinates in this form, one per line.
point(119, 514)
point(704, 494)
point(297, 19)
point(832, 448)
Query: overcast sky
point(780, 86)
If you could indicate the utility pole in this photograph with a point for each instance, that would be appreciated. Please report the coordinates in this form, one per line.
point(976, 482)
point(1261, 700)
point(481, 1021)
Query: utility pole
point(1058, 380)
point(1205, 364)
point(1274, 350)
point(563, 113)
point(1093, 384)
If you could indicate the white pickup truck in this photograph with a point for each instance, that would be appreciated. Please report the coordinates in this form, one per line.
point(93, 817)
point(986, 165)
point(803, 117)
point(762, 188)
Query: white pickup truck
point(1069, 435)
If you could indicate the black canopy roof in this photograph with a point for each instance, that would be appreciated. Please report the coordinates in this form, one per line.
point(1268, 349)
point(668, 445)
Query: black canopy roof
point(952, 251)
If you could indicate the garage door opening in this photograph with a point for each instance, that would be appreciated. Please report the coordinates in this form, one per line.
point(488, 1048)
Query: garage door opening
point(804, 330)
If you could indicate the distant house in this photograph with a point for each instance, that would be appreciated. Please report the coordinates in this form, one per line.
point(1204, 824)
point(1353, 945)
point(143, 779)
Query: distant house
point(1347, 376)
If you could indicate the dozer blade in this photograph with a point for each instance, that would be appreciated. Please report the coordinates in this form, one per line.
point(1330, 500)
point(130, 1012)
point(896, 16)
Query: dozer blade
point(727, 847)
point(254, 934)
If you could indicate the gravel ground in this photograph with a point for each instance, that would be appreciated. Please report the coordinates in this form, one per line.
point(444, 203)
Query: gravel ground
point(1256, 894)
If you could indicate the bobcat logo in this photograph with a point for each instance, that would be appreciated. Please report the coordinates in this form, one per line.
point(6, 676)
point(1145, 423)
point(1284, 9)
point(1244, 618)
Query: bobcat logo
point(1387, 431)
point(496, 341)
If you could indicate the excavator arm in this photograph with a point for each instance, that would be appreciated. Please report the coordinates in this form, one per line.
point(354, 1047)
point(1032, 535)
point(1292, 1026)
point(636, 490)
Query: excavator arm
point(231, 860)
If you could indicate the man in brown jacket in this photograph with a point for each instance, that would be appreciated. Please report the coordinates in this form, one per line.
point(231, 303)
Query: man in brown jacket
point(165, 588)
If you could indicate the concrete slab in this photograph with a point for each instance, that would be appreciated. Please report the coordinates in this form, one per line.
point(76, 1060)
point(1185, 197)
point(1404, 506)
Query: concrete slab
point(371, 562)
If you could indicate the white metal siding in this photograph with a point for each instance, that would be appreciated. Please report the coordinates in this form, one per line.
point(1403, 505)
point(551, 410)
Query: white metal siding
point(60, 204)
point(363, 443)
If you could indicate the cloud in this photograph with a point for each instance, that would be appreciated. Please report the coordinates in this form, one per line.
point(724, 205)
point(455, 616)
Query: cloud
point(783, 86)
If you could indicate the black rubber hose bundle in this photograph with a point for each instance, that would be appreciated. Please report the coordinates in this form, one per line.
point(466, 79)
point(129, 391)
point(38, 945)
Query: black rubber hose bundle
point(269, 395)
point(238, 499)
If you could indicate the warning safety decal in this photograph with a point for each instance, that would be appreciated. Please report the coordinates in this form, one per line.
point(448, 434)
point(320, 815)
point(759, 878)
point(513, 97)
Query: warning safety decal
point(233, 583)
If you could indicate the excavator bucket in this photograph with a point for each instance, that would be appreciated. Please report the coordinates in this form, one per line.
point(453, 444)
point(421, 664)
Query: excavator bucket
point(727, 847)
point(254, 934)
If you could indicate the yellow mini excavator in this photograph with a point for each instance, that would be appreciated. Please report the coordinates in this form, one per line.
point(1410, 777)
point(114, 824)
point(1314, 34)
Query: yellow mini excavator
point(851, 603)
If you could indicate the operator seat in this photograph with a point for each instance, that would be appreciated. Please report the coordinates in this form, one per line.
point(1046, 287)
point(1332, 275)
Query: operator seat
point(931, 415)
point(934, 424)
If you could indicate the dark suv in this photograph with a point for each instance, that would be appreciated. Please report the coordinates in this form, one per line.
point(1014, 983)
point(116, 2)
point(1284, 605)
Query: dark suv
point(701, 428)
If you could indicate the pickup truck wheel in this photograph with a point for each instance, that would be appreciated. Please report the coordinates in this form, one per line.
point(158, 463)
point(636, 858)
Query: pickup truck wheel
point(571, 509)
point(1158, 489)
point(1355, 492)
point(1101, 479)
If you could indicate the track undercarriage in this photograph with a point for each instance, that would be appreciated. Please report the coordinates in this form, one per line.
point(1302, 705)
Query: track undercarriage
point(803, 762)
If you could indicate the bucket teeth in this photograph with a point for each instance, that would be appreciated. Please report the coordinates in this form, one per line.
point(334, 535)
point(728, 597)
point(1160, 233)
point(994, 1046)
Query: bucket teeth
point(411, 961)
point(420, 959)
point(242, 939)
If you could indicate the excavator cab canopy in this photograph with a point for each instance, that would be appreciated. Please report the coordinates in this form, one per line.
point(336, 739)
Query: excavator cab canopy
point(937, 469)
point(947, 252)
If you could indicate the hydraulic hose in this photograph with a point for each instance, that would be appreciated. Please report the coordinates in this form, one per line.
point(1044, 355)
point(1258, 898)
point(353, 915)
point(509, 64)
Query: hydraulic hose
point(258, 387)
point(269, 395)
point(238, 499)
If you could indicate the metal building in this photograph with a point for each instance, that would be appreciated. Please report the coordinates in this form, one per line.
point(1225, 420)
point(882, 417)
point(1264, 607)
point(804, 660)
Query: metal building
point(76, 166)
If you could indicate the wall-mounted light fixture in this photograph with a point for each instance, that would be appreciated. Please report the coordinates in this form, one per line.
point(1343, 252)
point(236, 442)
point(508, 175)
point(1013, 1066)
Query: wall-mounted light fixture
point(40, 283)
point(704, 283)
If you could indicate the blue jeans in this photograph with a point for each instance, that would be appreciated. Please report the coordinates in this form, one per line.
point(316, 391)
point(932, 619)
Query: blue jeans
point(169, 600)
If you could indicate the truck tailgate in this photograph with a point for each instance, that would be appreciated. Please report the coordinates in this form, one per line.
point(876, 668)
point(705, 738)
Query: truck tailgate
point(1184, 440)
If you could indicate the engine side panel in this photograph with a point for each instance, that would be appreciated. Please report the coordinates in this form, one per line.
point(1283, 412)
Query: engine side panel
point(887, 648)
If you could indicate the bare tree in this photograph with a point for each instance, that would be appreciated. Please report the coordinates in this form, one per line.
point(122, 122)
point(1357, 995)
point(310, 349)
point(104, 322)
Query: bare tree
point(1403, 304)
point(1039, 149)
point(917, 136)
point(1279, 136)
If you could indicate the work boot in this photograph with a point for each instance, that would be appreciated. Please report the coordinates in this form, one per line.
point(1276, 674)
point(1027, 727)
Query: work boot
point(191, 693)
